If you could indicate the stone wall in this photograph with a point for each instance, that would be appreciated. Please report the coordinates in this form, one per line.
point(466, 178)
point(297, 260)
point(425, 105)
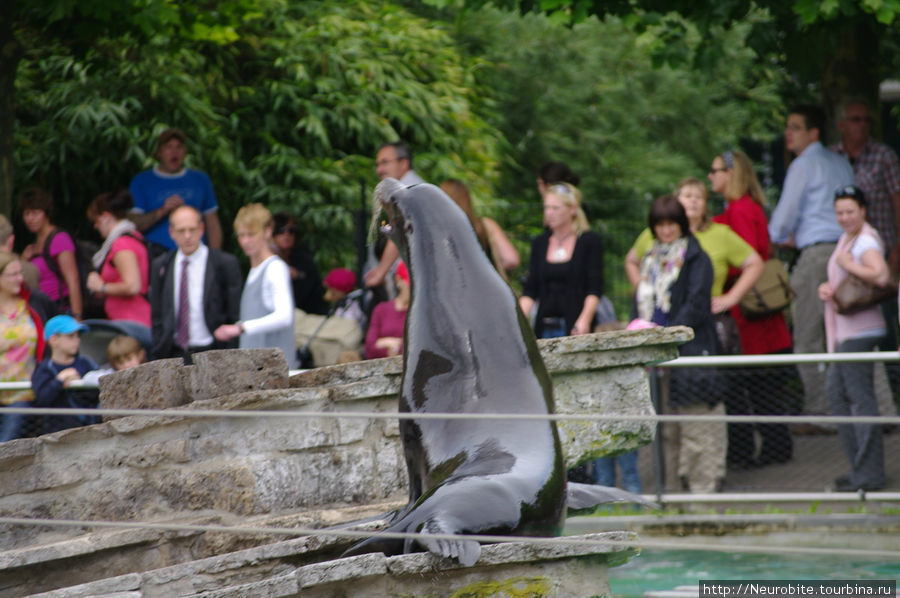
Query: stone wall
point(168, 468)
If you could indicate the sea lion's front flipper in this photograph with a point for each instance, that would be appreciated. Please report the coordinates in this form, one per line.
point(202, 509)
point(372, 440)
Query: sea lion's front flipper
point(464, 550)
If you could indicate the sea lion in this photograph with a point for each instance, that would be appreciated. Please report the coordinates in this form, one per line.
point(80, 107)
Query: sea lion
point(467, 349)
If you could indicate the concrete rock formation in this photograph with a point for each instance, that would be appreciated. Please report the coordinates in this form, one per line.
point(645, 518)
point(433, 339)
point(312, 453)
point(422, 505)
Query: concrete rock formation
point(272, 467)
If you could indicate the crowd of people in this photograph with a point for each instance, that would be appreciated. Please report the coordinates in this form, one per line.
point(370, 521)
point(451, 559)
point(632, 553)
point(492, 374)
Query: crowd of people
point(161, 266)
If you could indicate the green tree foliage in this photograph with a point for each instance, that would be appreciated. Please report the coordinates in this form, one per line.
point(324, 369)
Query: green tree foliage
point(78, 24)
point(839, 47)
point(289, 113)
point(590, 95)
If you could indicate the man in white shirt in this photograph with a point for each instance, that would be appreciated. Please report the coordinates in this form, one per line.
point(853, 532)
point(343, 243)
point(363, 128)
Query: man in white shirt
point(804, 218)
point(193, 290)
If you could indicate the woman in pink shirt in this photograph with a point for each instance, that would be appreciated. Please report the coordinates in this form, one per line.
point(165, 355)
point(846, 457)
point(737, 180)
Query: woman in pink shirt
point(59, 275)
point(849, 387)
point(122, 263)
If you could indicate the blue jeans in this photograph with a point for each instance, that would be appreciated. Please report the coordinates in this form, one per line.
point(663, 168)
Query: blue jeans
point(850, 389)
point(12, 425)
point(605, 471)
point(554, 328)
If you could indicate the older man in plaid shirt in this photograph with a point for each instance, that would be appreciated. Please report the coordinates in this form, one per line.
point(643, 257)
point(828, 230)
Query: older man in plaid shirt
point(877, 172)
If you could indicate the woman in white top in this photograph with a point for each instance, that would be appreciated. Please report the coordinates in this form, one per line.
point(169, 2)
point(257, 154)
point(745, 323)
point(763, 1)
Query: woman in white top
point(849, 386)
point(267, 302)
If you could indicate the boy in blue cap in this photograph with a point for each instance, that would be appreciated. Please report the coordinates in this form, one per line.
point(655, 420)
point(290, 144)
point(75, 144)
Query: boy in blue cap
point(51, 379)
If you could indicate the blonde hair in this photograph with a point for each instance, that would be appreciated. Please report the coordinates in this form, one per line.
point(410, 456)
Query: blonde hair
point(693, 181)
point(254, 216)
point(122, 347)
point(570, 196)
point(743, 179)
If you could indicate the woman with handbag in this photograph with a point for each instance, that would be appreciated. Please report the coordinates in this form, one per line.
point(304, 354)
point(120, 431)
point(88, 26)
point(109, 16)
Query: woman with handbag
point(849, 387)
point(756, 391)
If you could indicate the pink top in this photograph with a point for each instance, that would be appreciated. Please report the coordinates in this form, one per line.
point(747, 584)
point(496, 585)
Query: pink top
point(839, 328)
point(52, 286)
point(135, 307)
point(386, 321)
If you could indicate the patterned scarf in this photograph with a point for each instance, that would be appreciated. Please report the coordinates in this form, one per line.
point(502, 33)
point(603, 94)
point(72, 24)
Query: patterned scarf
point(121, 227)
point(659, 271)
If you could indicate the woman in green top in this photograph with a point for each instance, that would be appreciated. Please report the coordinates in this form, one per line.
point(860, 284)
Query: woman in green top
point(723, 246)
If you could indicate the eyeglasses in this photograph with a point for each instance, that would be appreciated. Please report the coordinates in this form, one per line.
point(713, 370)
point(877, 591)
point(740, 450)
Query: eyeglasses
point(715, 170)
point(849, 192)
point(289, 230)
point(17, 274)
point(384, 161)
point(859, 119)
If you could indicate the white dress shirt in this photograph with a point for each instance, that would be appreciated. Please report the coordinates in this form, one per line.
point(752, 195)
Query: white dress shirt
point(198, 334)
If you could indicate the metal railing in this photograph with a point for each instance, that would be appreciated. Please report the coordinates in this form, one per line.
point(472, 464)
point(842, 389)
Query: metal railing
point(803, 476)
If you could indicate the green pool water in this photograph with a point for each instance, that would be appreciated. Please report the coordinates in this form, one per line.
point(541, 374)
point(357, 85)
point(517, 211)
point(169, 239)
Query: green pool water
point(664, 569)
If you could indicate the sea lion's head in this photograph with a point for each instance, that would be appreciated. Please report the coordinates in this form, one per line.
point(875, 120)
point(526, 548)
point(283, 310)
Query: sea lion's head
point(421, 217)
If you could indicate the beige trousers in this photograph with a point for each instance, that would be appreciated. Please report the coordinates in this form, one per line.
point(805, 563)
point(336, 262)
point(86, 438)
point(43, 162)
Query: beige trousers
point(704, 446)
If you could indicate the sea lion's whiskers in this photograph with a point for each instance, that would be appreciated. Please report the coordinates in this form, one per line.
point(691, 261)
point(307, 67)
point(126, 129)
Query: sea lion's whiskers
point(380, 198)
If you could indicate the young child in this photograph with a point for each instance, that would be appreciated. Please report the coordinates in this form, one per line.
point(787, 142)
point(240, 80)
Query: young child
point(339, 283)
point(51, 379)
point(122, 352)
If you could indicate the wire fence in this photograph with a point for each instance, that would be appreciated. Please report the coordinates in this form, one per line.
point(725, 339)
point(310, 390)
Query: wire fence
point(774, 451)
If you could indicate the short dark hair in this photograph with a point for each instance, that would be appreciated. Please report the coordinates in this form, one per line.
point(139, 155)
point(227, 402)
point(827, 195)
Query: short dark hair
point(558, 172)
point(36, 198)
point(282, 219)
point(168, 135)
point(667, 207)
point(813, 116)
point(118, 203)
point(402, 150)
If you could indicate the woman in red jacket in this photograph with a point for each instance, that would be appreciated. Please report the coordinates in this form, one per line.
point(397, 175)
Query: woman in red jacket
point(761, 390)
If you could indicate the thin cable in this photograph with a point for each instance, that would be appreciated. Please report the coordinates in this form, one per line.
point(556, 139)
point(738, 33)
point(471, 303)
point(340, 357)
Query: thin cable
point(680, 362)
point(281, 414)
point(555, 541)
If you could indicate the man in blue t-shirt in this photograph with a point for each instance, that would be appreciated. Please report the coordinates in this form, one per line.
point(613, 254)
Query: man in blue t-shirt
point(160, 190)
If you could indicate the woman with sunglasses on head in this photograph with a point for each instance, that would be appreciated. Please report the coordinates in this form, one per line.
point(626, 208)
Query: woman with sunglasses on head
point(755, 392)
point(305, 280)
point(849, 387)
point(565, 274)
point(122, 263)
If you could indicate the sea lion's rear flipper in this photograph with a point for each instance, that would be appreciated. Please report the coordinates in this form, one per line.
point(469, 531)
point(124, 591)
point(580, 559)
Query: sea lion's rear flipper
point(585, 496)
